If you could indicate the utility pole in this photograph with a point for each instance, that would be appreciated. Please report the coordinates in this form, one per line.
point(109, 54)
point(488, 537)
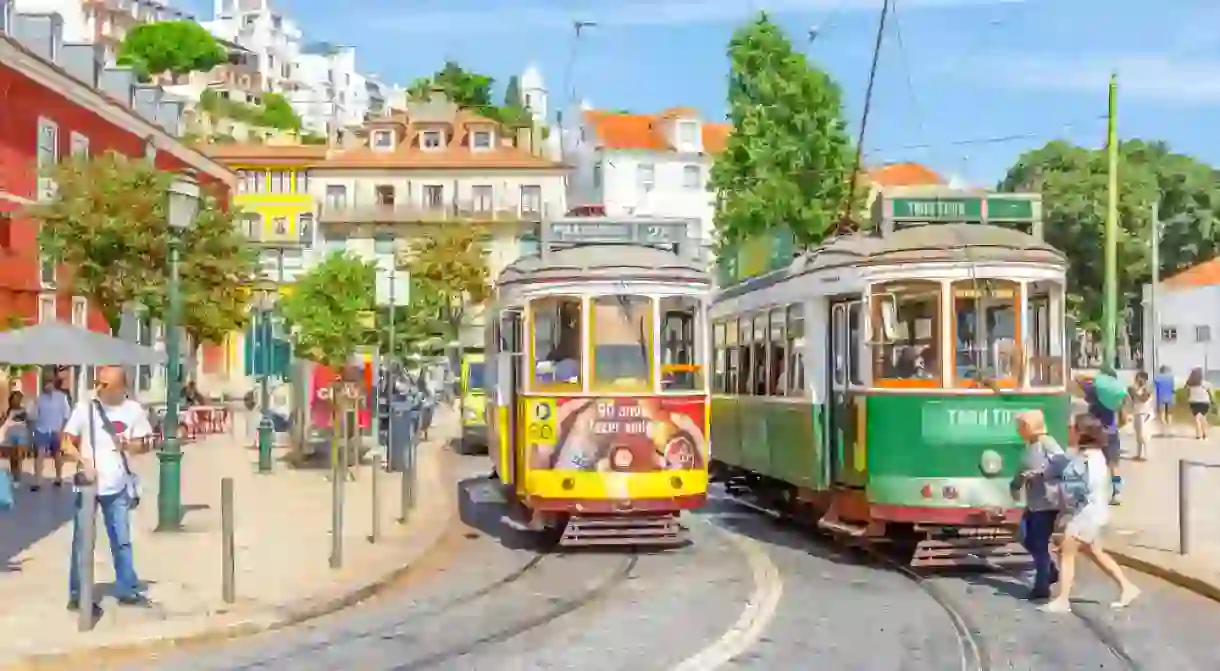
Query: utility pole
point(1110, 307)
point(1155, 335)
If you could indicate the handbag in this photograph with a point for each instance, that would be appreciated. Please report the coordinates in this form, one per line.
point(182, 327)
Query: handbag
point(134, 491)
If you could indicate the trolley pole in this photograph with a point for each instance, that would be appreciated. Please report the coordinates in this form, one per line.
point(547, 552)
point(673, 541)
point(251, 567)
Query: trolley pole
point(1110, 307)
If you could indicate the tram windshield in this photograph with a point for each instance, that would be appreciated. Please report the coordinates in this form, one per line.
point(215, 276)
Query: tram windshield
point(624, 355)
point(986, 319)
point(906, 324)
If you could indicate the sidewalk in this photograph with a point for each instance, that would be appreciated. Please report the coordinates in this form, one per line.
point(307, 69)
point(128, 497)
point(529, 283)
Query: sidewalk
point(1144, 529)
point(282, 525)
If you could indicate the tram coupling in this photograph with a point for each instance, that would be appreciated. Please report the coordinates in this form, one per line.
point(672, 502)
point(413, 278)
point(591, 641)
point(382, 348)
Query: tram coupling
point(655, 530)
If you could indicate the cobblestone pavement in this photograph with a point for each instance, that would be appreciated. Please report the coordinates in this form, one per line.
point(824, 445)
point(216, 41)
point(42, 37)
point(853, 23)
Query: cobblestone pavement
point(483, 601)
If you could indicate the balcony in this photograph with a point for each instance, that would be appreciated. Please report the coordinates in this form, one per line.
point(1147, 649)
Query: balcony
point(338, 212)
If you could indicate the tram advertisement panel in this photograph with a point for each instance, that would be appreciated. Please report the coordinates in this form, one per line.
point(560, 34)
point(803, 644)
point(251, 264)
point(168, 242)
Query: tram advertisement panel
point(626, 435)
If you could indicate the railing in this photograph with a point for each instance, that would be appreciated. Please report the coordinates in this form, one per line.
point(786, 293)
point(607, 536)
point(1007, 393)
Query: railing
point(1185, 528)
point(342, 213)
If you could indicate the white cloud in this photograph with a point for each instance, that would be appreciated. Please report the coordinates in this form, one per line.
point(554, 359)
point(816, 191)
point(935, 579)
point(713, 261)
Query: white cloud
point(518, 16)
point(1183, 81)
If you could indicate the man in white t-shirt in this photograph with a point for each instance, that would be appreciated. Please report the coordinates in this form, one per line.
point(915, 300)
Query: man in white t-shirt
point(102, 462)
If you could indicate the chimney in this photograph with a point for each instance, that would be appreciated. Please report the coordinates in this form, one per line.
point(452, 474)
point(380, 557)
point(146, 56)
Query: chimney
point(536, 143)
point(524, 135)
point(169, 114)
point(42, 34)
point(147, 98)
point(83, 61)
point(118, 82)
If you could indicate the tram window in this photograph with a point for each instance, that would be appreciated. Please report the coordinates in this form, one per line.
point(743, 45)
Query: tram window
point(621, 332)
point(906, 334)
point(745, 336)
point(777, 378)
point(1046, 334)
point(681, 367)
point(557, 342)
point(719, 358)
point(732, 368)
point(855, 328)
point(508, 331)
point(796, 350)
point(758, 355)
point(986, 328)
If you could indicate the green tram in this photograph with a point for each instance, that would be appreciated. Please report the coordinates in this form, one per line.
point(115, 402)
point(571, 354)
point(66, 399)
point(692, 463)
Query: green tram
point(871, 385)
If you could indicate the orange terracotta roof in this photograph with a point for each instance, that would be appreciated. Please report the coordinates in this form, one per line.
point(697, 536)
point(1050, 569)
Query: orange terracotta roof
point(904, 174)
point(264, 153)
point(647, 131)
point(1202, 275)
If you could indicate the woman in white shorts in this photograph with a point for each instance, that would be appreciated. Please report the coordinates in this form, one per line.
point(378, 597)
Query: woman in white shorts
point(1084, 521)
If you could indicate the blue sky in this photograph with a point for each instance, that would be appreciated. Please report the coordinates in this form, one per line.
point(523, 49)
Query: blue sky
point(964, 71)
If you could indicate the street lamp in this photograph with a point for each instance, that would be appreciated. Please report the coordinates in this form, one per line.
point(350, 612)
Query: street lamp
point(181, 208)
point(266, 427)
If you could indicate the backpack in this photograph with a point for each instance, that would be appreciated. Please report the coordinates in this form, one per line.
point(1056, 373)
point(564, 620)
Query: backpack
point(1074, 484)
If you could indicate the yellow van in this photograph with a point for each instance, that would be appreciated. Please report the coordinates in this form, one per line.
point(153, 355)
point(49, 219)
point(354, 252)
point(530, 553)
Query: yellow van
point(474, 403)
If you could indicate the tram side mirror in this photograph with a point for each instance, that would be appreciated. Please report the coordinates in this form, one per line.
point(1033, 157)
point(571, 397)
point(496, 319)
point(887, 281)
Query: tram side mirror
point(888, 310)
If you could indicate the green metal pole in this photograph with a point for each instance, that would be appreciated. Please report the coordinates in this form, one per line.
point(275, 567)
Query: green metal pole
point(266, 428)
point(1110, 307)
point(169, 491)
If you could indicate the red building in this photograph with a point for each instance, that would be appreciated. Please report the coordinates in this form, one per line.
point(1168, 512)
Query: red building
point(48, 111)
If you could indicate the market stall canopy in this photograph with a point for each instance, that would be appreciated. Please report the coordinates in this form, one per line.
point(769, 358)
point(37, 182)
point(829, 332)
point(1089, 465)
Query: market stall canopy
point(63, 344)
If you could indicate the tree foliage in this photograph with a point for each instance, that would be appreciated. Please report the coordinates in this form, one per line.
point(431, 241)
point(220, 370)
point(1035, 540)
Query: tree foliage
point(327, 306)
point(418, 326)
point(107, 224)
point(176, 47)
point(789, 158)
point(472, 91)
point(278, 113)
point(1073, 182)
point(512, 92)
point(452, 264)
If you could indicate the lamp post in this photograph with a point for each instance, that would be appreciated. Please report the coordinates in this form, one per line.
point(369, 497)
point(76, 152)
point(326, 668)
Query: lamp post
point(181, 209)
point(266, 428)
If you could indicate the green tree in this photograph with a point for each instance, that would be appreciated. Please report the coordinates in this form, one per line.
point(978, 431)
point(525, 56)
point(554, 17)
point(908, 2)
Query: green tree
point(512, 93)
point(327, 307)
point(452, 264)
point(417, 326)
point(1073, 182)
point(278, 113)
point(177, 47)
point(107, 223)
point(788, 159)
point(217, 269)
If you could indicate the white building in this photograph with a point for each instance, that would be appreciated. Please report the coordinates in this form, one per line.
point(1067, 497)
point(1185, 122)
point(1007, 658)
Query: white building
point(1189, 307)
point(274, 39)
point(534, 94)
point(646, 165)
point(331, 92)
point(105, 23)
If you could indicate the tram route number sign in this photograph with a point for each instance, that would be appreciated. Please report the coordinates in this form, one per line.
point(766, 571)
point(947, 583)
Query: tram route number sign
point(542, 426)
point(962, 424)
point(612, 231)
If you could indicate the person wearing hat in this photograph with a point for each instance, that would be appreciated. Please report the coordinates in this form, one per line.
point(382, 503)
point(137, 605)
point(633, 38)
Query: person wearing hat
point(1105, 396)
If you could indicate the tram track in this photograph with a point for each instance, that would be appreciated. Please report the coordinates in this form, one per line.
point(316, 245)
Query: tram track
point(975, 652)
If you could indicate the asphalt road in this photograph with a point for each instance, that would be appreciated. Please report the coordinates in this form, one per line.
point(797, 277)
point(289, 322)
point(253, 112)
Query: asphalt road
point(748, 593)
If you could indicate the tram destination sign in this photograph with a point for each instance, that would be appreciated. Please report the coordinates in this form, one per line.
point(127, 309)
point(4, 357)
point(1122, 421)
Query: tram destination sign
point(617, 231)
point(963, 209)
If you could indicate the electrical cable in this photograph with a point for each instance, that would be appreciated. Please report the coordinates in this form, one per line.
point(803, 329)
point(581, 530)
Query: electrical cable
point(906, 68)
point(845, 223)
point(997, 139)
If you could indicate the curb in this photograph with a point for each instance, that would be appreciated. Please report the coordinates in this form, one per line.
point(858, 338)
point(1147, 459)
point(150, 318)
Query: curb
point(1199, 586)
point(273, 619)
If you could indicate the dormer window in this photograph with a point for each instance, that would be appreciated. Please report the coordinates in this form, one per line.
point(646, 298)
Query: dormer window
point(481, 140)
point(688, 134)
point(430, 139)
point(383, 140)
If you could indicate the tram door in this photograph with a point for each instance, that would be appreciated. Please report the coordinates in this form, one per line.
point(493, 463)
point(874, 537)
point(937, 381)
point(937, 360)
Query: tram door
point(838, 412)
point(508, 391)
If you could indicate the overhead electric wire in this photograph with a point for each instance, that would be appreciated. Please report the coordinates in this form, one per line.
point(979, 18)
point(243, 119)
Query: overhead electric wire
point(997, 139)
point(845, 220)
point(906, 68)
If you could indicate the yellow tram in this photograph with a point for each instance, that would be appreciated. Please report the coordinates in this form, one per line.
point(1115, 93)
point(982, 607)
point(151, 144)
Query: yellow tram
point(597, 406)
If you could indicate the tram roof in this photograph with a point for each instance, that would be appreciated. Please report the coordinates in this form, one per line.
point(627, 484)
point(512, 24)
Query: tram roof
point(605, 262)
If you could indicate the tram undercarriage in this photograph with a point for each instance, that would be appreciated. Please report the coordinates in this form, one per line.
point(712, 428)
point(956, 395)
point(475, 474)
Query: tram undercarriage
point(645, 528)
point(991, 544)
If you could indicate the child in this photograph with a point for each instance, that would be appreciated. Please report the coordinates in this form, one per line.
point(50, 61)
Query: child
point(1043, 455)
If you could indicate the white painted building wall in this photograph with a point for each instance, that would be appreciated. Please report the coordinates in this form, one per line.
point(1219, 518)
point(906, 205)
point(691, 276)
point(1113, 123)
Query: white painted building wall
point(1190, 329)
point(273, 37)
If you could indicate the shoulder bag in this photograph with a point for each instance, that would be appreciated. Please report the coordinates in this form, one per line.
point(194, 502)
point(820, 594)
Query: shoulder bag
point(132, 481)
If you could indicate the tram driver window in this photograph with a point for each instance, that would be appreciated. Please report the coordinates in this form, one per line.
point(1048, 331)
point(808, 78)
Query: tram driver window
point(681, 363)
point(906, 334)
point(621, 332)
point(557, 342)
point(1046, 334)
point(986, 329)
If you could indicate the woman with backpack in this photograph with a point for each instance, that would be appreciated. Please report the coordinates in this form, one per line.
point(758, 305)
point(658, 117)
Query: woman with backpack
point(1085, 493)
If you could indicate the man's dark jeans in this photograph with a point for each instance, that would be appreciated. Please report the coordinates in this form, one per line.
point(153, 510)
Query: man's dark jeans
point(1039, 525)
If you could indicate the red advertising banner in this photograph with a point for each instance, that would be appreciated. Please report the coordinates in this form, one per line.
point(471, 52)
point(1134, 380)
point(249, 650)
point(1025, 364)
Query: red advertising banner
point(615, 434)
point(320, 402)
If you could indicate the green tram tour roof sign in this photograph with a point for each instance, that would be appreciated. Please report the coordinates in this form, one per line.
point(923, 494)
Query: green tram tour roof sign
point(893, 209)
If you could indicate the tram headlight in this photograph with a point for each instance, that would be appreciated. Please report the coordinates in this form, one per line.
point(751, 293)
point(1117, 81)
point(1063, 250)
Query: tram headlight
point(991, 463)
